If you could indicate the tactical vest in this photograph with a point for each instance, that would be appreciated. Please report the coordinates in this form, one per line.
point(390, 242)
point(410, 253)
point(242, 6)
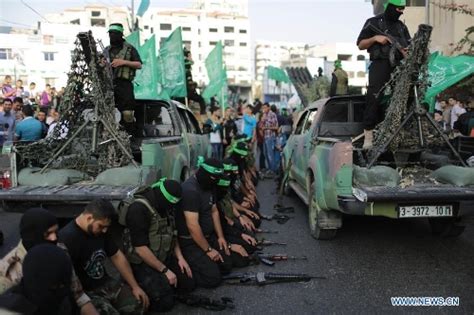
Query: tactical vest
point(123, 72)
point(161, 233)
point(378, 51)
point(342, 81)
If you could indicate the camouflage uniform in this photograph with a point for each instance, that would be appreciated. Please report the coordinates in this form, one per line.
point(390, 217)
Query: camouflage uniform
point(115, 298)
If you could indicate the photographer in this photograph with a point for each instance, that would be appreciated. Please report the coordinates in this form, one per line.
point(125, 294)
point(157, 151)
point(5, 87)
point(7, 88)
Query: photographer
point(7, 121)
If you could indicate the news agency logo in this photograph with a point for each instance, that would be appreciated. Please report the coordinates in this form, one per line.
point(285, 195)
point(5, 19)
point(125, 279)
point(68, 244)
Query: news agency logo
point(424, 301)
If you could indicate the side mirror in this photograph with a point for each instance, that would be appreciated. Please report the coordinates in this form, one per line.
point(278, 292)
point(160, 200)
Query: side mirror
point(206, 129)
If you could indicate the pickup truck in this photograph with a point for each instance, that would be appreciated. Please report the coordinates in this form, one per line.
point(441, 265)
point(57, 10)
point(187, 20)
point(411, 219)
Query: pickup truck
point(324, 165)
point(170, 144)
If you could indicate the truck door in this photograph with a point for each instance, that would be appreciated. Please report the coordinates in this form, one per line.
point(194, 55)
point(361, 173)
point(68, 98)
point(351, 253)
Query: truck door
point(202, 140)
point(303, 148)
point(293, 144)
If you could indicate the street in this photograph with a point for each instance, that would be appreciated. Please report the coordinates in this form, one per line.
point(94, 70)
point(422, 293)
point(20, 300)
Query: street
point(371, 260)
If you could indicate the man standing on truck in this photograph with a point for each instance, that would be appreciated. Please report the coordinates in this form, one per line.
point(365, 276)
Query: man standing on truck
point(125, 60)
point(339, 83)
point(150, 242)
point(380, 69)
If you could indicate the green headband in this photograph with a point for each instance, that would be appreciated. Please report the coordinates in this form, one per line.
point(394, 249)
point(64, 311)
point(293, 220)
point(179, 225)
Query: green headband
point(117, 28)
point(161, 185)
point(240, 152)
point(210, 169)
point(398, 3)
point(230, 167)
point(223, 183)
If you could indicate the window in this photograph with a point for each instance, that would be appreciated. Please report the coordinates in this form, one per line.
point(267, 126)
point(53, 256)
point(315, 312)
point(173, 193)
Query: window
point(212, 43)
point(299, 126)
point(310, 119)
point(350, 74)
point(98, 22)
point(146, 27)
point(228, 29)
point(360, 57)
point(229, 42)
point(165, 27)
point(199, 44)
point(184, 120)
point(48, 39)
point(158, 122)
point(152, 30)
point(48, 56)
point(187, 42)
point(186, 29)
point(243, 31)
point(6, 54)
point(343, 57)
point(76, 21)
point(360, 74)
point(213, 30)
point(95, 13)
point(336, 112)
point(194, 123)
point(243, 44)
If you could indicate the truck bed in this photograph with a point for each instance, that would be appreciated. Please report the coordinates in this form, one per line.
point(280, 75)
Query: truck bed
point(422, 193)
point(64, 193)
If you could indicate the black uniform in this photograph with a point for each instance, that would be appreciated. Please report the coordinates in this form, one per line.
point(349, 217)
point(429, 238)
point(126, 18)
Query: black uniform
point(206, 272)
point(154, 283)
point(380, 68)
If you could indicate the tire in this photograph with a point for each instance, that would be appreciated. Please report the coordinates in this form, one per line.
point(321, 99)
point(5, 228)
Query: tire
point(445, 227)
point(314, 211)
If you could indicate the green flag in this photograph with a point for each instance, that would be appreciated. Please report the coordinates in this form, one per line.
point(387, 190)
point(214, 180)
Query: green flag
point(144, 5)
point(222, 95)
point(277, 74)
point(134, 39)
point(216, 73)
point(171, 62)
point(146, 80)
point(444, 72)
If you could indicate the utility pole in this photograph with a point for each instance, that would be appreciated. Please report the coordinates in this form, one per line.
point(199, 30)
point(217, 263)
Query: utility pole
point(133, 16)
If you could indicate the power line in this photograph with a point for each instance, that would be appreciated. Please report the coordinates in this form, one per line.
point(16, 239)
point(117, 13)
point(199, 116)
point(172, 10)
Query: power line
point(32, 9)
point(16, 23)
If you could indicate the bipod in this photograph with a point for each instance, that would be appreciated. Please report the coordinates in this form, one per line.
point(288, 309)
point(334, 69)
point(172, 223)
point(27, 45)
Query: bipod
point(418, 112)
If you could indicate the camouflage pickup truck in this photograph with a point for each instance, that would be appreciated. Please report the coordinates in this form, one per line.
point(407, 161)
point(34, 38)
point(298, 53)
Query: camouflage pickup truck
point(170, 144)
point(324, 163)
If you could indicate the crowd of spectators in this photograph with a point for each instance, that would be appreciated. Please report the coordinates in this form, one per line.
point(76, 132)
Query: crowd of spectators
point(267, 126)
point(454, 115)
point(27, 114)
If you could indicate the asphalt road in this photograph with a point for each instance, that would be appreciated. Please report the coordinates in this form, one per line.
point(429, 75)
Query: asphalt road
point(371, 260)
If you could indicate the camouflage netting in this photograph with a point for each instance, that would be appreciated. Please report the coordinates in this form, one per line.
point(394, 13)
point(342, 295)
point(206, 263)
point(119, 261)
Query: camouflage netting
point(412, 71)
point(89, 89)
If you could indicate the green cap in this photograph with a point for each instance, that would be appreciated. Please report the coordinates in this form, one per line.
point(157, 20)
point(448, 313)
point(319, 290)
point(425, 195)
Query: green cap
point(116, 28)
point(161, 185)
point(337, 64)
point(398, 3)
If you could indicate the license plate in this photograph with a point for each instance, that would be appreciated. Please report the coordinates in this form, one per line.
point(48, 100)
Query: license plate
point(425, 211)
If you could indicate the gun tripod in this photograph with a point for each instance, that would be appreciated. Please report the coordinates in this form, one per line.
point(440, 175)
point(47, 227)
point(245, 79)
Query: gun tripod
point(418, 112)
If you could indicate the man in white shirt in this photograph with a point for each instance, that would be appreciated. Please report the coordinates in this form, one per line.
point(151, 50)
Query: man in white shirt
point(456, 111)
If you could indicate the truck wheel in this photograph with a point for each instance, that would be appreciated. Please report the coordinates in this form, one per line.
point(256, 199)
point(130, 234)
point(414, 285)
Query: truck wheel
point(315, 212)
point(446, 227)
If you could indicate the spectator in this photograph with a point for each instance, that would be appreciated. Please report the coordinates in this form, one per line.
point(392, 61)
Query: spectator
point(20, 91)
point(7, 90)
point(216, 135)
point(438, 117)
point(250, 123)
point(7, 121)
point(29, 129)
point(17, 109)
point(64, 128)
point(465, 122)
point(33, 93)
point(41, 116)
point(52, 116)
point(456, 111)
point(230, 128)
point(46, 97)
point(270, 128)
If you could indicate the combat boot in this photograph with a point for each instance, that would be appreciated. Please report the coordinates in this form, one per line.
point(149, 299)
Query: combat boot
point(368, 139)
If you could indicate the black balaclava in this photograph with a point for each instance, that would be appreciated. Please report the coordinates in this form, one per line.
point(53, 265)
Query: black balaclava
point(204, 178)
point(391, 14)
point(231, 174)
point(34, 224)
point(116, 39)
point(46, 282)
point(164, 205)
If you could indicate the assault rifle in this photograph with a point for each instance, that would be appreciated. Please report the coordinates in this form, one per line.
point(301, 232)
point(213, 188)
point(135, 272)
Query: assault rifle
point(265, 242)
point(280, 218)
point(280, 209)
point(269, 259)
point(263, 278)
point(205, 302)
point(266, 231)
point(393, 42)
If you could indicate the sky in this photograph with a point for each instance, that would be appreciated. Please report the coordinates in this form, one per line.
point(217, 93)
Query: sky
point(306, 21)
